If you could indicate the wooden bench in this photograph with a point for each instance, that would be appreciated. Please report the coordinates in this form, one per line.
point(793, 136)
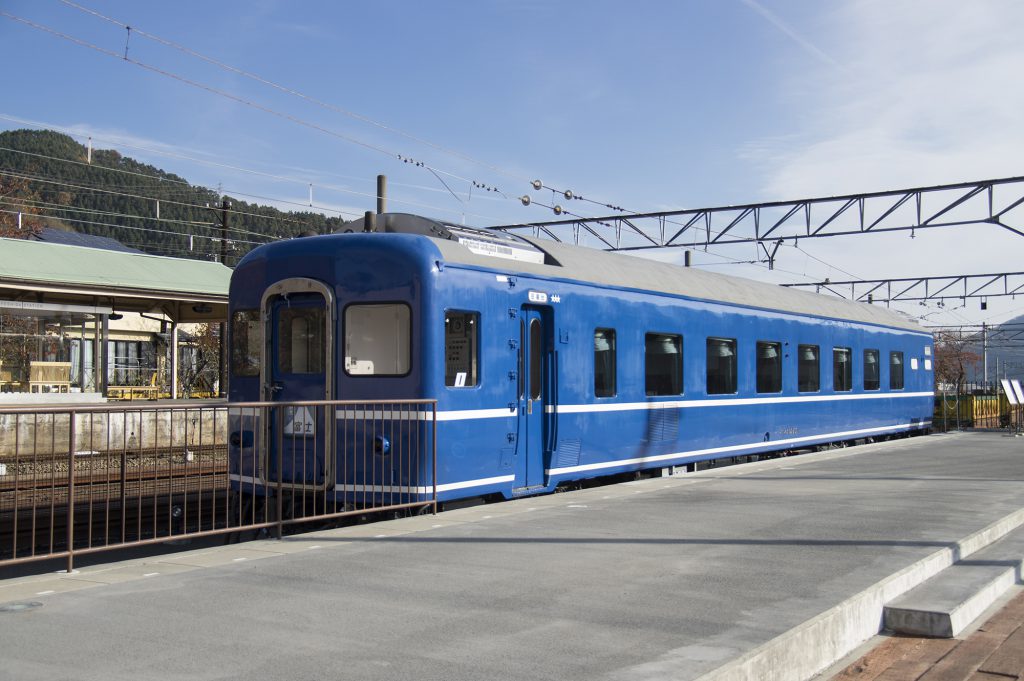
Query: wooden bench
point(53, 377)
point(150, 391)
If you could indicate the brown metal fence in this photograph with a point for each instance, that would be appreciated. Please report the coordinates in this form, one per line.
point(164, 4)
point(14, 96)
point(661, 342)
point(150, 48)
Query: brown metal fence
point(82, 480)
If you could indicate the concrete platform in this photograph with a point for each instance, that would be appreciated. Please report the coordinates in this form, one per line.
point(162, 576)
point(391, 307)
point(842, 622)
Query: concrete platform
point(773, 570)
point(949, 602)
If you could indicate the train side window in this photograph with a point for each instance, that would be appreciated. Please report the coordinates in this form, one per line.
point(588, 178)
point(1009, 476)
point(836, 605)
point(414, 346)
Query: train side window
point(461, 340)
point(808, 369)
point(245, 343)
point(721, 365)
point(842, 369)
point(663, 362)
point(301, 340)
point(769, 367)
point(895, 371)
point(377, 339)
point(871, 370)
point(604, 362)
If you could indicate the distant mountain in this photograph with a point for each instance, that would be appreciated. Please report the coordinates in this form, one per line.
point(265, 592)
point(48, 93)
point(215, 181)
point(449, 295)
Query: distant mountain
point(48, 173)
point(1006, 350)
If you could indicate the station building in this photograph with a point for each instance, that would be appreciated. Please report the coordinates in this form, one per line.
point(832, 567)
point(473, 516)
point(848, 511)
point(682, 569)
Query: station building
point(93, 319)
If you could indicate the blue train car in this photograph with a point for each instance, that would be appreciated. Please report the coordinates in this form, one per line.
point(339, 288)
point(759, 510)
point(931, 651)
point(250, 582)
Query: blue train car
point(553, 363)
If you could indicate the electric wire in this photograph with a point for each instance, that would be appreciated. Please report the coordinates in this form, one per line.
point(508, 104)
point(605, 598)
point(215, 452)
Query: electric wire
point(230, 96)
point(291, 91)
point(326, 105)
point(146, 198)
point(284, 178)
point(283, 115)
point(145, 229)
point(59, 208)
point(49, 205)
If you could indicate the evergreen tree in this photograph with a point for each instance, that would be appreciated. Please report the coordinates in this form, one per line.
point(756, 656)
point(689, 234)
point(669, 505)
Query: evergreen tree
point(47, 175)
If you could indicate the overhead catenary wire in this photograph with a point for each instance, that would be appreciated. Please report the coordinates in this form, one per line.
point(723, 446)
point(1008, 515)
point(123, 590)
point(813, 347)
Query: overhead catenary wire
point(332, 107)
point(57, 208)
point(432, 171)
point(287, 90)
point(143, 229)
point(296, 93)
point(284, 178)
point(228, 95)
point(732, 261)
point(43, 180)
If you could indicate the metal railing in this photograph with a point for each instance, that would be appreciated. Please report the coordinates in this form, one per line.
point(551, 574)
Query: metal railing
point(82, 480)
point(977, 406)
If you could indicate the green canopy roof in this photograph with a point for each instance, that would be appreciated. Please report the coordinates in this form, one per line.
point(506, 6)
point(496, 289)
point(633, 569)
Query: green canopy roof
point(185, 290)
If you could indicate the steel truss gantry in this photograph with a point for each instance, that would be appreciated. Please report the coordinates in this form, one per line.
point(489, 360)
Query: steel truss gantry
point(771, 224)
point(956, 287)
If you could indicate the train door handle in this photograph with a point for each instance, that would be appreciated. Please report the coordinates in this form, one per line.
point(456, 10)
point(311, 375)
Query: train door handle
point(529, 406)
point(275, 387)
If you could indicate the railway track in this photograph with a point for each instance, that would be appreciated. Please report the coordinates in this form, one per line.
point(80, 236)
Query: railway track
point(105, 476)
point(112, 498)
point(43, 532)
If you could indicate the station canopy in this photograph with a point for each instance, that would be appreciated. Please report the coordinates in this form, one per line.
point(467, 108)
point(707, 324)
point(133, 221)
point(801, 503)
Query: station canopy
point(47, 279)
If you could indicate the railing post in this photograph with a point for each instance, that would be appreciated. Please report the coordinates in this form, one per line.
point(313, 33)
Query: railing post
point(280, 473)
point(71, 493)
point(433, 467)
point(123, 497)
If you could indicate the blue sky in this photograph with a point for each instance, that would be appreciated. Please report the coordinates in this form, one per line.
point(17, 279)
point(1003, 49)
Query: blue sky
point(647, 105)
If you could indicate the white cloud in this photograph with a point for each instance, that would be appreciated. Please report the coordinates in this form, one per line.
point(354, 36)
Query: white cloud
point(927, 95)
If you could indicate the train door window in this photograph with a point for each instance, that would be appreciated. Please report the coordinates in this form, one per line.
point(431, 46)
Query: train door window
point(461, 340)
point(769, 367)
point(663, 362)
point(721, 365)
point(536, 356)
point(377, 339)
point(246, 338)
point(896, 371)
point(842, 369)
point(604, 362)
point(301, 340)
point(808, 369)
point(519, 374)
point(871, 370)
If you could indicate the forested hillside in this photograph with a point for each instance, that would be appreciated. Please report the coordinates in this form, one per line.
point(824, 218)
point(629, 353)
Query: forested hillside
point(47, 178)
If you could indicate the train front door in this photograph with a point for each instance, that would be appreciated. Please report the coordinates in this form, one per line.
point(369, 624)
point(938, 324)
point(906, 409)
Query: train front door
point(297, 367)
point(536, 387)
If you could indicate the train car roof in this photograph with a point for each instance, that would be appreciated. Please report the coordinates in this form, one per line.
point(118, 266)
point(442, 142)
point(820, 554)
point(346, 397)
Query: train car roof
point(552, 259)
point(626, 271)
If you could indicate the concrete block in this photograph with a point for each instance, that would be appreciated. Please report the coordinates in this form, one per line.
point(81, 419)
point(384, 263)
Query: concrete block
point(948, 603)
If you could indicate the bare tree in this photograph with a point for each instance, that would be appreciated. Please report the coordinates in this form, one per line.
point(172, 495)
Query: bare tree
point(955, 353)
point(199, 369)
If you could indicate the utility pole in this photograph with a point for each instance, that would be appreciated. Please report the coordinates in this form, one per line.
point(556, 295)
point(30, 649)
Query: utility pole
point(984, 350)
point(222, 383)
point(224, 231)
